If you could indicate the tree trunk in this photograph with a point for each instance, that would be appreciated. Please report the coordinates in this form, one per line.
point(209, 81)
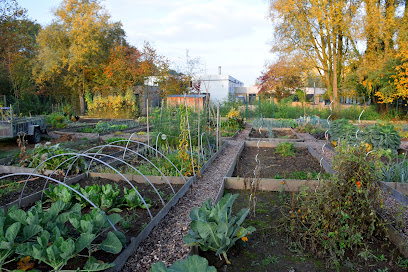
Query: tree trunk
point(81, 104)
point(335, 98)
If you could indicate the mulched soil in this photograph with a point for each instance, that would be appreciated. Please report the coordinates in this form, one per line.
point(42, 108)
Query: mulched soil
point(267, 248)
point(288, 134)
point(35, 184)
point(272, 164)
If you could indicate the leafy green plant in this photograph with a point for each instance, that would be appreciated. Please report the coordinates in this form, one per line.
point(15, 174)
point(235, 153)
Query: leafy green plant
point(55, 248)
point(59, 192)
point(191, 263)
point(270, 260)
point(128, 220)
point(106, 197)
point(341, 129)
point(384, 136)
point(114, 139)
point(302, 175)
point(286, 149)
point(13, 231)
point(395, 171)
point(378, 136)
point(104, 127)
point(44, 236)
point(402, 262)
point(215, 228)
point(133, 200)
point(8, 186)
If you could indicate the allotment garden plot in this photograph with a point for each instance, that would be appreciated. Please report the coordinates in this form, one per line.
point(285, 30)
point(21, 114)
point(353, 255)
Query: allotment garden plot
point(291, 162)
point(77, 206)
point(267, 248)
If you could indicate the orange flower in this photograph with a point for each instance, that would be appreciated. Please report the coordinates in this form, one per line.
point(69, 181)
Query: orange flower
point(245, 239)
point(358, 184)
point(283, 183)
point(299, 210)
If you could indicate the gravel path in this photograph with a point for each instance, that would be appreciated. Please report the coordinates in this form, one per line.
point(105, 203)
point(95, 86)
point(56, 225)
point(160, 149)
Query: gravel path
point(317, 145)
point(165, 242)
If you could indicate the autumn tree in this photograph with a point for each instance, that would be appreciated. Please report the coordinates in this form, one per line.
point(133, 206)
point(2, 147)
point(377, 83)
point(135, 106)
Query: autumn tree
point(174, 84)
point(284, 76)
point(73, 48)
point(401, 69)
point(17, 48)
point(122, 71)
point(376, 65)
point(321, 30)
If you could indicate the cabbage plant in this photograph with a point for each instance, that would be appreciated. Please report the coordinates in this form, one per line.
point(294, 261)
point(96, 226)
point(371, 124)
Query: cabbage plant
point(214, 228)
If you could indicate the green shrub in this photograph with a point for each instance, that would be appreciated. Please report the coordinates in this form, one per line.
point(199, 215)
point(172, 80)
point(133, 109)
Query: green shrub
point(56, 120)
point(339, 219)
point(286, 149)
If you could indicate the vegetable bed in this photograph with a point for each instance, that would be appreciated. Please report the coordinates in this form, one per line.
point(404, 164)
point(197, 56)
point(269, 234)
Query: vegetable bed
point(300, 165)
point(266, 249)
point(122, 205)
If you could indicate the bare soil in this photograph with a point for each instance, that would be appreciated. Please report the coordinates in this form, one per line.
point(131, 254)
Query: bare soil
point(272, 164)
point(12, 186)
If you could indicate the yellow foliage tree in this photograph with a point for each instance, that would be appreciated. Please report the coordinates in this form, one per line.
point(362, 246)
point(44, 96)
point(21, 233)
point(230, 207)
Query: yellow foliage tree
point(401, 76)
point(322, 30)
point(112, 106)
point(73, 48)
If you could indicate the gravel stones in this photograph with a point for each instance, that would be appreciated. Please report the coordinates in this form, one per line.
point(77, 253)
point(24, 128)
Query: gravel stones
point(165, 242)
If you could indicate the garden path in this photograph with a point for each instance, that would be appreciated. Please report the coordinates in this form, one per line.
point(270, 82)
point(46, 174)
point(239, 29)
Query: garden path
point(165, 242)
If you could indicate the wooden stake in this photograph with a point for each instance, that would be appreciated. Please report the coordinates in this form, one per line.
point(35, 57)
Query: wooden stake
point(147, 122)
point(21, 181)
point(189, 135)
point(218, 125)
point(199, 128)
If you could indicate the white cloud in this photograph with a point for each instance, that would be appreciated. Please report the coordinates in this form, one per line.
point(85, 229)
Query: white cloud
point(228, 33)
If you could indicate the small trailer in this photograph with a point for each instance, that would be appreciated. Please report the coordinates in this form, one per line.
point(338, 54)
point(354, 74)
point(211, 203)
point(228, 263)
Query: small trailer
point(11, 126)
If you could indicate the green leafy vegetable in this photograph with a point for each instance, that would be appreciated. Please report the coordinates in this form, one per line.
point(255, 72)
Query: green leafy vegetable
point(133, 200)
point(214, 228)
point(191, 264)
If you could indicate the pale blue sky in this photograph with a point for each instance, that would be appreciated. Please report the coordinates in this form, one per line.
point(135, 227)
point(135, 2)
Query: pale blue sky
point(233, 34)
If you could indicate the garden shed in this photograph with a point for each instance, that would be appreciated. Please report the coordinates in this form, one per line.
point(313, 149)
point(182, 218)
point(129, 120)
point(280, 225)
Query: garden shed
point(192, 100)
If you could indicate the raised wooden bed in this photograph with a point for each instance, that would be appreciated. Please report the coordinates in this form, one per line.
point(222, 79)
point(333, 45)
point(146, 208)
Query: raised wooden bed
point(287, 130)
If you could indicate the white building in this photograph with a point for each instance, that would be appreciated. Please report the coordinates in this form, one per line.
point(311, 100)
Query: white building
point(243, 92)
point(220, 87)
point(315, 94)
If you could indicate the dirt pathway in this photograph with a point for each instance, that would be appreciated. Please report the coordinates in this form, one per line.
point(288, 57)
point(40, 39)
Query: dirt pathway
point(165, 242)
